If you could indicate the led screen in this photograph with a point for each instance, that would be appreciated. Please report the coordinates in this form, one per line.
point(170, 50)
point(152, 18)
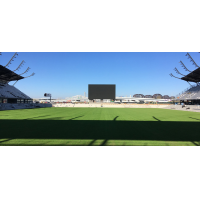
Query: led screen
point(101, 91)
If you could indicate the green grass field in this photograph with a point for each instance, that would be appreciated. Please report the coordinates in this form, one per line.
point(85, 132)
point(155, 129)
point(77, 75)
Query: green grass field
point(99, 126)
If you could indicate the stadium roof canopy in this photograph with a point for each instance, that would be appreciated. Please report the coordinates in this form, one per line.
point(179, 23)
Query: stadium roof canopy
point(194, 76)
point(8, 75)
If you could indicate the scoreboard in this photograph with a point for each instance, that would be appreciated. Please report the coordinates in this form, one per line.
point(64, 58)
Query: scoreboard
point(101, 91)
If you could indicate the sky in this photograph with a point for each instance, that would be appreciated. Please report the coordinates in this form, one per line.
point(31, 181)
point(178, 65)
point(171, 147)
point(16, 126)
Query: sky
point(66, 74)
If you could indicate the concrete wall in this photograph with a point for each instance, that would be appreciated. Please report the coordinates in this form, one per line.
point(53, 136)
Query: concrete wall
point(9, 106)
point(193, 108)
point(110, 105)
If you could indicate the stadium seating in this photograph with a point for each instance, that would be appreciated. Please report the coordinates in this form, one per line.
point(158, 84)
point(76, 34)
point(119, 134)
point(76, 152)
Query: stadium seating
point(8, 91)
point(192, 93)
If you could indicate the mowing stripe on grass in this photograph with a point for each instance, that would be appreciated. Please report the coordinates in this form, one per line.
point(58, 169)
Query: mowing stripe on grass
point(99, 126)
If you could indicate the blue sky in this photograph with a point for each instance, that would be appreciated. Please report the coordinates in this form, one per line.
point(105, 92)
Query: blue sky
point(68, 74)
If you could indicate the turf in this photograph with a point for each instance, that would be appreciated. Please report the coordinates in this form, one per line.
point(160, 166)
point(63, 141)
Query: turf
point(99, 126)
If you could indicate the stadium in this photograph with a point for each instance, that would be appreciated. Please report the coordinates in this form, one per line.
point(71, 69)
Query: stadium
point(102, 118)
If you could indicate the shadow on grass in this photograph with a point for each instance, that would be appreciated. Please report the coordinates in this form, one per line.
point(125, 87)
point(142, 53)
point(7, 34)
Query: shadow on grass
point(194, 118)
point(156, 118)
point(37, 117)
point(98, 129)
point(76, 117)
point(196, 143)
point(6, 140)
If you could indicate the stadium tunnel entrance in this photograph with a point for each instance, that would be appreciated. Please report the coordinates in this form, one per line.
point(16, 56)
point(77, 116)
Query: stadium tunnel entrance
point(11, 100)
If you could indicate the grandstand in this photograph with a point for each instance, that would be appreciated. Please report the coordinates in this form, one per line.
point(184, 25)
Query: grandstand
point(191, 94)
point(8, 93)
point(155, 96)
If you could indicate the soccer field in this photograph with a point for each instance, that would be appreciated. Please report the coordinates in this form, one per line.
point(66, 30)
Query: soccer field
point(99, 126)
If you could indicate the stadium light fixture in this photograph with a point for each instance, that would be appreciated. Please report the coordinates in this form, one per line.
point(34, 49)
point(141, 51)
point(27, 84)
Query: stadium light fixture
point(191, 60)
point(178, 71)
point(20, 65)
point(30, 75)
point(173, 76)
point(12, 59)
point(26, 71)
point(186, 69)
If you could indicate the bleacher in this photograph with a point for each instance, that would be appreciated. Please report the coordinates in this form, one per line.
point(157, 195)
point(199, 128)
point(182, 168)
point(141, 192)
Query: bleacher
point(192, 93)
point(8, 91)
point(10, 96)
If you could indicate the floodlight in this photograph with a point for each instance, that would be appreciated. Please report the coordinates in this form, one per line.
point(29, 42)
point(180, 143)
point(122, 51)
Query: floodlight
point(30, 75)
point(14, 56)
point(20, 65)
point(184, 66)
point(26, 71)
point(191, 60)
point(178, 71)
point(173, 76)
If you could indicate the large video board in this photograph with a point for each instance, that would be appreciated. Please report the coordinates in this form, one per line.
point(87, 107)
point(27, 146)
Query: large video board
point(101, 91)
